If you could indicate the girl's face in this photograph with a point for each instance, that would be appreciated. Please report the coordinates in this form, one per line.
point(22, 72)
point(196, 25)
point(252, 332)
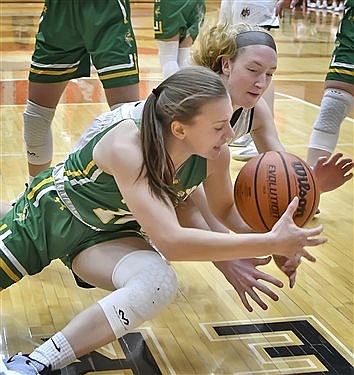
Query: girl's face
point(249, 75)
point(209, 130)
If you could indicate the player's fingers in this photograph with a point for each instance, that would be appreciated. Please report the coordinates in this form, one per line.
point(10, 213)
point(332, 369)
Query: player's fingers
point(292, 207)
point(267, 291)
point(311, 232)
point(262, 261)
point(308, 256)
point(292, 278)
point(269, 279)
point(245, 301)
point(257, 299)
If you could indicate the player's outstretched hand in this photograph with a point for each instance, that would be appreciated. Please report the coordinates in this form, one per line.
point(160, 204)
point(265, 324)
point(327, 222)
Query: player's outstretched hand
point(290, 240)
point(244, 276)
point(289, 266)
point(332, 172)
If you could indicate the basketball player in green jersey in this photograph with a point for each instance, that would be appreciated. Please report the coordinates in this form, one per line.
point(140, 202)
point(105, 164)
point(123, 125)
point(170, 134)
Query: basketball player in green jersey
point(176, 25)
point(115, 200)
point(71, 35)
point(338, 98)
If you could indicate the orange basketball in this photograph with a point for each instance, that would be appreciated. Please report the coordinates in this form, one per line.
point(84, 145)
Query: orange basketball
point(267, 183)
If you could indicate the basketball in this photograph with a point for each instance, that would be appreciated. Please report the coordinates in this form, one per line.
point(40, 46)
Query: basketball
point(266, 185)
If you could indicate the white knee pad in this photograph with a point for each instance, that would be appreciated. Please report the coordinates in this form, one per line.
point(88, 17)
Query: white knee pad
point(145, 284)
point(335, 105)
point(37, 133)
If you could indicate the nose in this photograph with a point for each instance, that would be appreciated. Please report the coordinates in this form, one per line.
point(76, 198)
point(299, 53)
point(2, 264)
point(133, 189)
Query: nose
point(261, 81)
point(229, 133)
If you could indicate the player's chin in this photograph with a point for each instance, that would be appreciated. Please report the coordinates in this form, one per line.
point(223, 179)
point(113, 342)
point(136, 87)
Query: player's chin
point(250, 100)
point(215, 152)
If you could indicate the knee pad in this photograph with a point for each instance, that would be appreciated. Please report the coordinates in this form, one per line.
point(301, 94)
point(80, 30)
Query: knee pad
point(145, 284)
point(37, 133)
point(335, 105)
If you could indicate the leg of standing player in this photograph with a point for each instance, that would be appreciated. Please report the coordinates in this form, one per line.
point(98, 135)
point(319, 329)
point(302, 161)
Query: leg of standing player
point(337, 101)
point(175, 29)
point(63, 51)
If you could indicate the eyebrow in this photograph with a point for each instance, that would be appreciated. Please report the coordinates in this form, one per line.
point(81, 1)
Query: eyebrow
point(261, 65)
point(221, 121)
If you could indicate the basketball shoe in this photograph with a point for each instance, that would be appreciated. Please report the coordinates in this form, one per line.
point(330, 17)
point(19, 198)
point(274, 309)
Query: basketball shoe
point(20, 364)
point(247, 153)
point(243, 141)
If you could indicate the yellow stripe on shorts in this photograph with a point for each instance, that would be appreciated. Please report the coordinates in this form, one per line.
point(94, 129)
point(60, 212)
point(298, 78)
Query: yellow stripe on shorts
point(8, 271)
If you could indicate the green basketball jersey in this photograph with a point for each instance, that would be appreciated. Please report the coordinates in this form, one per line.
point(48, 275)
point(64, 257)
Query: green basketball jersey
point(92, 195)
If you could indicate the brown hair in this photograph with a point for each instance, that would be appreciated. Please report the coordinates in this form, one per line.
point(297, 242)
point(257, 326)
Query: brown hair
point(180, 97)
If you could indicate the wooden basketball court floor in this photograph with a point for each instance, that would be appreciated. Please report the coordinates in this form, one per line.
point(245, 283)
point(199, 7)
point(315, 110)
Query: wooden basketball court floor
point(206, 330)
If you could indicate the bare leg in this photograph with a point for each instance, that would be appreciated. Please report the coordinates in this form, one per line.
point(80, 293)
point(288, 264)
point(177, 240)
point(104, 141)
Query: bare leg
point(123, 94)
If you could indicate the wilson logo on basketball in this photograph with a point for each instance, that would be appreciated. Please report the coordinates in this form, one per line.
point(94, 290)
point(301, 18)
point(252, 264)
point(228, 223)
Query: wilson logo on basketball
point(303, 185)
point(267, 183)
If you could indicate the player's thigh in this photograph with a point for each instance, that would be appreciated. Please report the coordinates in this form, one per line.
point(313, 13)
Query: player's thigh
point(122, 94)
point(46, 94)
point(95, 265)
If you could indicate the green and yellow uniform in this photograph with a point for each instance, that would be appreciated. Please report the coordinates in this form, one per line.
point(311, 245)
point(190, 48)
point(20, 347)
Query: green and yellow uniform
point(72, 33)
point(342, 64)
point(183, 17)
point(75, 205)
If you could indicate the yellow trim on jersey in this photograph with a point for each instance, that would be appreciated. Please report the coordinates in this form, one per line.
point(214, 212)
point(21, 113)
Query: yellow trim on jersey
point(4, 226)
point(8, 271)
point(31, 194)
point(85, 172)
point(53, 72)
point(341, 71)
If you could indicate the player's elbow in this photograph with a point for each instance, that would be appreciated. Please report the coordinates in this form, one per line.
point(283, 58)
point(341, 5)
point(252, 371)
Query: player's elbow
point(169, 244)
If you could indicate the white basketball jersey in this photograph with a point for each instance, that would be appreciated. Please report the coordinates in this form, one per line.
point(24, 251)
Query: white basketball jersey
point(254, 12)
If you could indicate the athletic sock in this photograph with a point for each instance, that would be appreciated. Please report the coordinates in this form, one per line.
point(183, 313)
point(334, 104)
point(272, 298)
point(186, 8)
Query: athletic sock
point(56, 352)
point(168, 54)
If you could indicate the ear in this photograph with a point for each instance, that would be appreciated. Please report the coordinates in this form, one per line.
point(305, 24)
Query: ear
point(225, 66)
point(178, 130)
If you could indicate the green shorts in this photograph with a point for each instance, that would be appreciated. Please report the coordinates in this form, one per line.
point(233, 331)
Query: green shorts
point(73, 32)
point(40, 229)
point(342, 64)
point(178, 17)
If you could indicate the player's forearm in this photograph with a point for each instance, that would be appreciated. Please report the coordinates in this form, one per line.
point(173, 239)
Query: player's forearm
point(198, 245)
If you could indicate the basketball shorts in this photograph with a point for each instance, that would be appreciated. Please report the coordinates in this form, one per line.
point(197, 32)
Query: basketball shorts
point(342, 64)
point(178, 17)
point(40, 229)
point(72, 33)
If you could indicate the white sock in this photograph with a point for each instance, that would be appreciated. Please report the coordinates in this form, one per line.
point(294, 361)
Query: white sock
point(184, 57)
point(56, 352)
point(168, 54)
